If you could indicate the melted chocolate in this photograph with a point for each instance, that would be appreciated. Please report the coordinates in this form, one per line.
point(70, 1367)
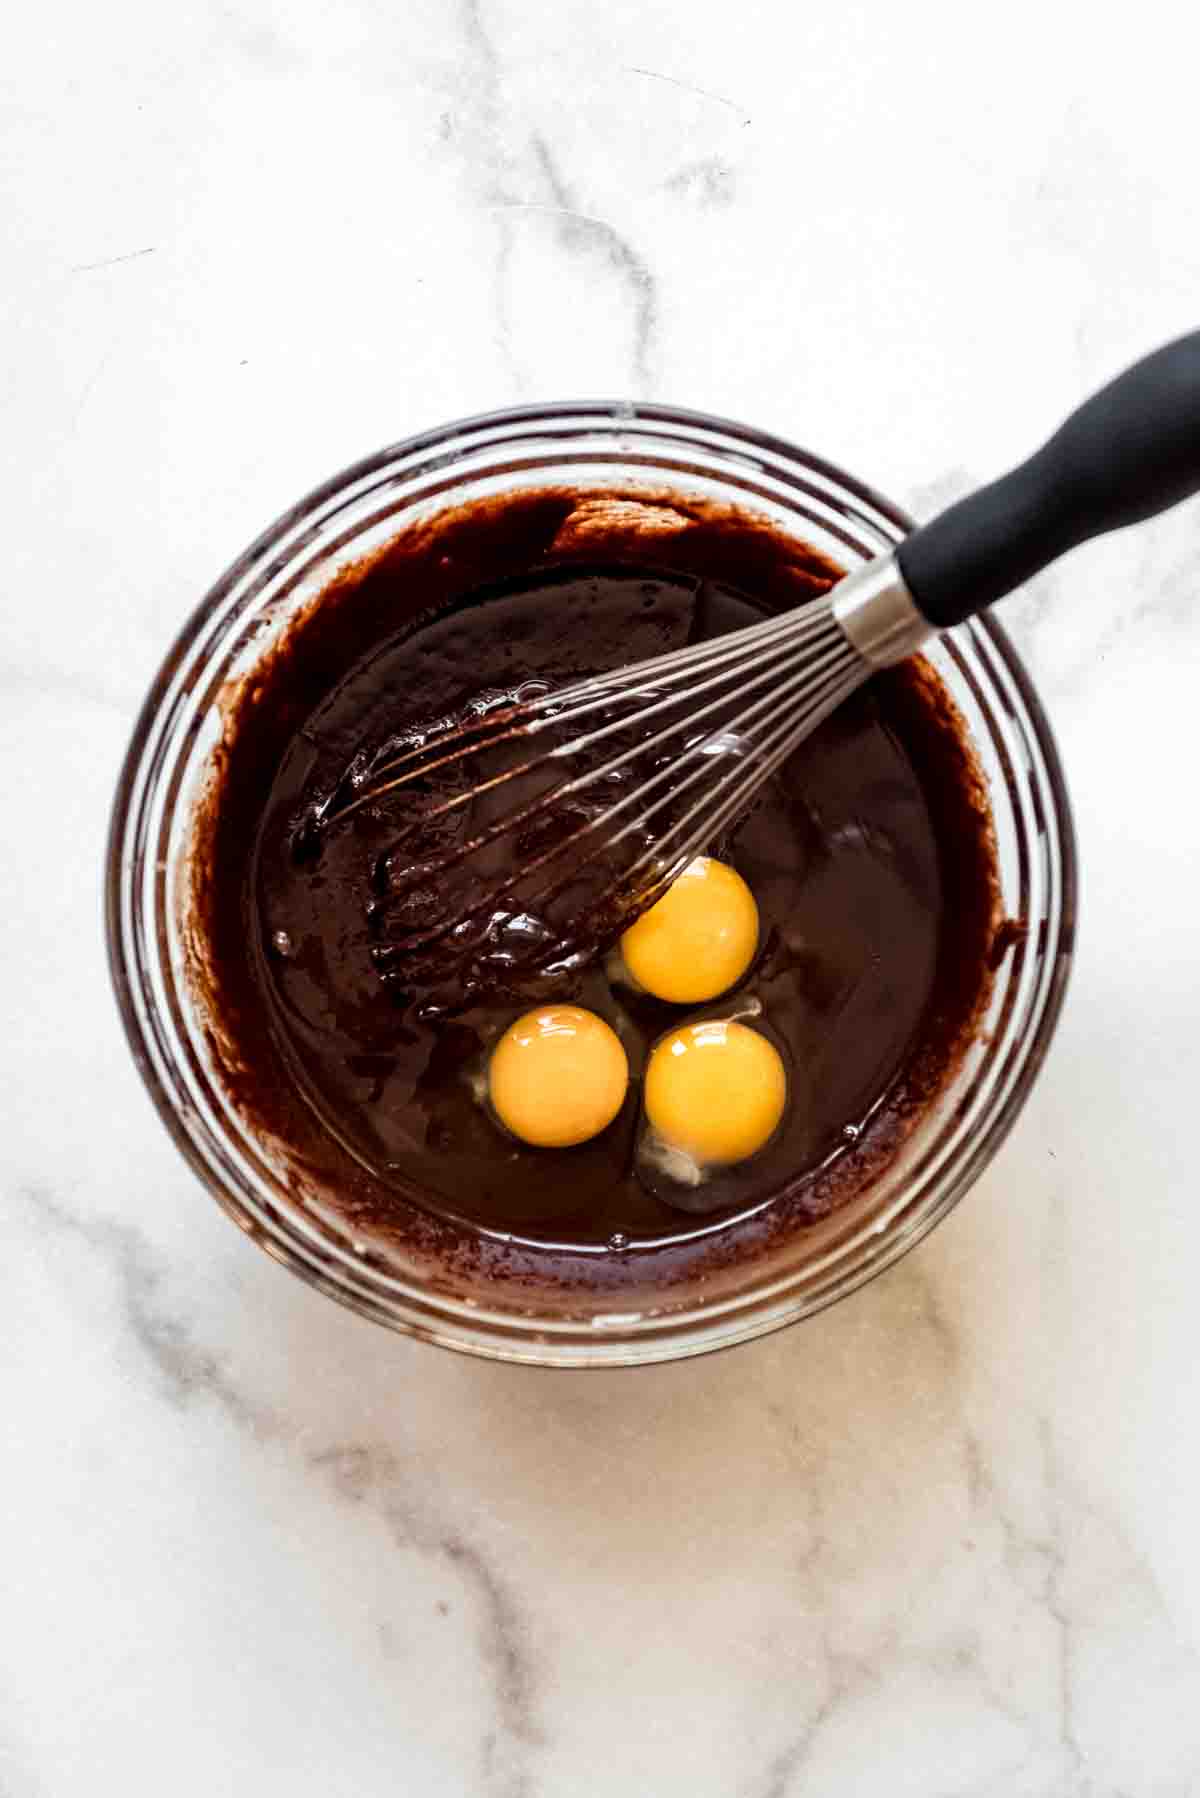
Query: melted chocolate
point(870, 855)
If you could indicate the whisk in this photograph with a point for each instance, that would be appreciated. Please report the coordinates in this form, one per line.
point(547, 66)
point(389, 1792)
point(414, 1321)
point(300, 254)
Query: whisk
point(607, 788)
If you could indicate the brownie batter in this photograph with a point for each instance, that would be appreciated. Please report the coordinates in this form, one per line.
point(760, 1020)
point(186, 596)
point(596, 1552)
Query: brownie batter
point(870, 855)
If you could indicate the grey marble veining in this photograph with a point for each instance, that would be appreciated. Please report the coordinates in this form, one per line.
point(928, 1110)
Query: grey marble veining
point(941, 1540)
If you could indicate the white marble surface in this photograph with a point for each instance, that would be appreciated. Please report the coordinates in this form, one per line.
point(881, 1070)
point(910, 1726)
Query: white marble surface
point(942, 1540)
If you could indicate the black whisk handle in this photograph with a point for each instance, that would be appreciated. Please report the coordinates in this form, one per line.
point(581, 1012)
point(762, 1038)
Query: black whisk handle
point(1132, 450)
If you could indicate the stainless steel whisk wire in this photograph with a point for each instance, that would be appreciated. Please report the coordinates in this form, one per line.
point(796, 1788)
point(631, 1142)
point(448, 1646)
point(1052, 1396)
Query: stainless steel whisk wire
point(801, 650)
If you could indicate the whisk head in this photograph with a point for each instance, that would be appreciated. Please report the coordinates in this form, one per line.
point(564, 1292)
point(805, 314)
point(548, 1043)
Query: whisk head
point(529, 830)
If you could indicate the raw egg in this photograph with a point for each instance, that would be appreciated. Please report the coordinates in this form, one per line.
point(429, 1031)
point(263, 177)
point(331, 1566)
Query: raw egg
point(715, 1092)
point(698, 939)
point(557, 1076)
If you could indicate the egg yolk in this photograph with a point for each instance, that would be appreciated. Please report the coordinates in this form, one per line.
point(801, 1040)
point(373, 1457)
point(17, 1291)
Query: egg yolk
point(557, 1076)
point(715, 1091)
point(698, 939)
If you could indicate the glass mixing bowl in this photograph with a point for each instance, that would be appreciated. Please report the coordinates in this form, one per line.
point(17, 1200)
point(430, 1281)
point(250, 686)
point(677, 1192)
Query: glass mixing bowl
point(600, 445)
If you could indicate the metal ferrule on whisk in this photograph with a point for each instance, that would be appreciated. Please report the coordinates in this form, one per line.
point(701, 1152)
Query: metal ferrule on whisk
point(878, 614)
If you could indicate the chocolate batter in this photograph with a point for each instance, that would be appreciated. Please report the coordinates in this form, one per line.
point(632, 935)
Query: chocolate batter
point(870, 855)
